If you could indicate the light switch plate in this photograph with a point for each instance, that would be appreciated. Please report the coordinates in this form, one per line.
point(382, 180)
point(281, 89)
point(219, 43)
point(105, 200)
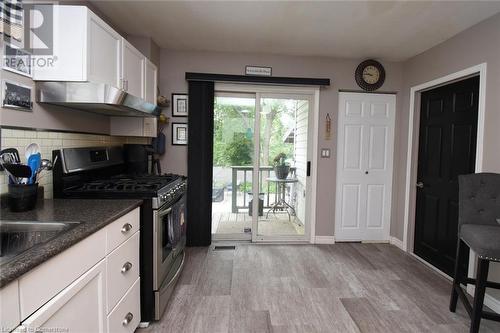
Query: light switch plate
point(325, 152)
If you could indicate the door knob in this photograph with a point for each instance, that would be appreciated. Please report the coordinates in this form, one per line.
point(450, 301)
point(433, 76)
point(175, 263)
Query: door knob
point(126, 267)
point(420, 185)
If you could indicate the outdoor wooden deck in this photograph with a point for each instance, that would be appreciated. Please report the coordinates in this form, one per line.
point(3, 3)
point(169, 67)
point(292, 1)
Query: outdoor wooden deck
point(275, 224)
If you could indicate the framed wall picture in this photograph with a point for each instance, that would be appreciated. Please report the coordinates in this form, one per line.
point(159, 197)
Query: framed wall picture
point(16, 96)
point(179, 134)
point(179, 105)
point(17, 60)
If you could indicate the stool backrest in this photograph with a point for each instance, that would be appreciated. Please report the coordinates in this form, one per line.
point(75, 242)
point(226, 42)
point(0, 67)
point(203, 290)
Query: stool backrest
point(479, 199)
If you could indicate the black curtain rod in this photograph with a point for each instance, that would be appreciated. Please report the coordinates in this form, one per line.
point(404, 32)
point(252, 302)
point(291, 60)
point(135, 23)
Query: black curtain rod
point(304, 81)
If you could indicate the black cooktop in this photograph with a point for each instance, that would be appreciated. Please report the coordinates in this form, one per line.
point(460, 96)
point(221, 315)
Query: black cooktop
point(138, 184)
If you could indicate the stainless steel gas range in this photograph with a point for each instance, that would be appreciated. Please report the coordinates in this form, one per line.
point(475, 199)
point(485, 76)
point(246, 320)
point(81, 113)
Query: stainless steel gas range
point(101, 173)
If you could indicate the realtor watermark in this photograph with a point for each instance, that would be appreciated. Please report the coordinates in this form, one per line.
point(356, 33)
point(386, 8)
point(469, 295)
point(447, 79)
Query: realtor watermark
point(25, 61)
point(29, 35)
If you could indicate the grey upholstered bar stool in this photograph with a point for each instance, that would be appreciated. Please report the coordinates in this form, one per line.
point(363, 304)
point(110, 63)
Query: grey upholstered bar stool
point(479, 229)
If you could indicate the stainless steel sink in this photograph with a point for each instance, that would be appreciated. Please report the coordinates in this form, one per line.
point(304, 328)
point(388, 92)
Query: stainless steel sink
point(19, 236)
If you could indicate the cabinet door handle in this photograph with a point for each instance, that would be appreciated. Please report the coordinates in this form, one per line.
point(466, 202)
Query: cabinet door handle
point(126, 228)
point(420, 185)
point(126, 267)
point(128, 318)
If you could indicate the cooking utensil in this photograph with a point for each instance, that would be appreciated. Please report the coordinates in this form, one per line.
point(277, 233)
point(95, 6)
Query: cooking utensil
point(31, 149)
point(34, 162)
point(10, 155)
point(50, 166)
point(12, 178)
point(45, 164)
point(18, 170)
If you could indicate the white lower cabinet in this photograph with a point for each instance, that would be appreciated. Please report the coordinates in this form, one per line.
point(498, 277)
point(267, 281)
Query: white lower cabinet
point(94, 286)
point(78, 308)
point(9, 306)
point(126, 315)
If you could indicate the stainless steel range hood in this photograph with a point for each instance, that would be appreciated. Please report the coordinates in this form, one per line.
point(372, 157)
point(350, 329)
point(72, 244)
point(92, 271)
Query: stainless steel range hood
point(94, 97)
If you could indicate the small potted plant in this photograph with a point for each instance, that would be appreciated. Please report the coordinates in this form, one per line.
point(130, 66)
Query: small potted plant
point(281, 167)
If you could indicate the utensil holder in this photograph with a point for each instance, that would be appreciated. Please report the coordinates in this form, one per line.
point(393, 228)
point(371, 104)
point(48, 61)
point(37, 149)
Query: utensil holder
point(22, 197)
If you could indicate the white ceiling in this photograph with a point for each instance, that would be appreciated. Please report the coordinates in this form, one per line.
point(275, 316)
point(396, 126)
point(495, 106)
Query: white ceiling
point(384, 30)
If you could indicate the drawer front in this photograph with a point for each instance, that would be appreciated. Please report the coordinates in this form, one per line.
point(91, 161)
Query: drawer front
point(122, 229)
point(126, 316)
point(45, 281)
point(122, 269)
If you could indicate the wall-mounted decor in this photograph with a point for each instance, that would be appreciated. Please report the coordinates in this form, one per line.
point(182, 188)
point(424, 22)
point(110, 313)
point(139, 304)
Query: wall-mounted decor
point(12, 15)
point(16, 96)
point(370, 75)
point(179, 105)
point(328, 127)
point(17, 60)
point(179, 134)
point(258, 70)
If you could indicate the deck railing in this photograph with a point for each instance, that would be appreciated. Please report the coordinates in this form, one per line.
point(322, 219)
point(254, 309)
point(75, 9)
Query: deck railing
point(244, 174)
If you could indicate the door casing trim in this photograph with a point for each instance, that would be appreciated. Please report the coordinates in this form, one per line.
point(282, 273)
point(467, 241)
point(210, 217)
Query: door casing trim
point(413, 135)
point(412, 150)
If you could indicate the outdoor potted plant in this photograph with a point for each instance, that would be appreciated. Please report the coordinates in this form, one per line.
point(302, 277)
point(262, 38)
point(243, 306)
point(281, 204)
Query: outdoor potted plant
point(281, 167)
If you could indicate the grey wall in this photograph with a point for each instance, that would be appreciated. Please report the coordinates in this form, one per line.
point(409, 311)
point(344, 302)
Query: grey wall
point(340, 71)
point(476, 45)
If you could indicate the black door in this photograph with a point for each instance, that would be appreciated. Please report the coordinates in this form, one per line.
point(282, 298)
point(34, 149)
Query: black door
point(447, 148)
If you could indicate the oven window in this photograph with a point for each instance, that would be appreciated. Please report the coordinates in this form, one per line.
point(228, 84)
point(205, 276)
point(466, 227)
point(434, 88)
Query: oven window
point(167, 233)
point(173, 227)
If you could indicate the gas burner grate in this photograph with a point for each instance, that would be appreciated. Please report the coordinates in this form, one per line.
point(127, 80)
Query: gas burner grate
point(128, 183)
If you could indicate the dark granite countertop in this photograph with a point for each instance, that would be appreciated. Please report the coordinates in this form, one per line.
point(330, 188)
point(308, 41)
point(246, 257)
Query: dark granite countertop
point(92, 215)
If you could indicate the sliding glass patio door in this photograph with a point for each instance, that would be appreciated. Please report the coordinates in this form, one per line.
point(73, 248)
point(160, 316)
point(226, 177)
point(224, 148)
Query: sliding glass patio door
point(261, 165)
point(283, 161)
point(233, 161)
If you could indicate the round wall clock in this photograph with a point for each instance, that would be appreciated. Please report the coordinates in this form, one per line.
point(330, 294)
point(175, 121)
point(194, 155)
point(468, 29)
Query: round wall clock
point(370, 75)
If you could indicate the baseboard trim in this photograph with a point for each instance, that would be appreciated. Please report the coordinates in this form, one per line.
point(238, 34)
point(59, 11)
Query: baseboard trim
point(490, 301)
point(396, 242)
point(324, 240)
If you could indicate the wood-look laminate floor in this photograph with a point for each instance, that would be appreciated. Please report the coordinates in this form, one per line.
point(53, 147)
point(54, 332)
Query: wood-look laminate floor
point(306, 288)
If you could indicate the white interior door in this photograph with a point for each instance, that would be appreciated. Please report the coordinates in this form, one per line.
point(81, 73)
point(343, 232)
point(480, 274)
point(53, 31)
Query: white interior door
point(364, 166)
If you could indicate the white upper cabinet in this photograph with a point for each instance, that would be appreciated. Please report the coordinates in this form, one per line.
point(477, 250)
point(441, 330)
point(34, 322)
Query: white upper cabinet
point(103, 53)
point(150, 82)
point(133, 66)
point(85, 48)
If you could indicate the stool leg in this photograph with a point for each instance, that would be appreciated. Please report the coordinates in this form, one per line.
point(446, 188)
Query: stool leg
point(459, 274)
point(477, 309)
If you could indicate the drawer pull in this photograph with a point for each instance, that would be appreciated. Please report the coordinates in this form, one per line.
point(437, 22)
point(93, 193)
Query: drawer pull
point(128, 319)
point(126, 228)
point(126, 267)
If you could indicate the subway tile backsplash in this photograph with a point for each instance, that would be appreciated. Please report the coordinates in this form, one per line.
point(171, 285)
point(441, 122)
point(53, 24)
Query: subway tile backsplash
point(48, 141)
